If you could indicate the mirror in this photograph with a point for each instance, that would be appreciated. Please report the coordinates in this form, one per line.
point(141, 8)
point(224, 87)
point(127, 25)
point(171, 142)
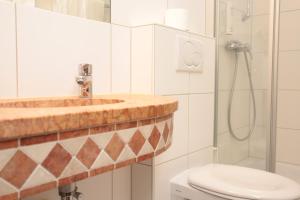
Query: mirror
point(99, 10)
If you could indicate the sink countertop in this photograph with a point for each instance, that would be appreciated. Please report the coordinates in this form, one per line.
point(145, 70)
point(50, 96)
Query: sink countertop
point(20, 121)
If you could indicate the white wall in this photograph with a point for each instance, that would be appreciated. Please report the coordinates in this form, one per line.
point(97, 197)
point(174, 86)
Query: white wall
point(194, 121)
point(8, 67)
point(288, 129)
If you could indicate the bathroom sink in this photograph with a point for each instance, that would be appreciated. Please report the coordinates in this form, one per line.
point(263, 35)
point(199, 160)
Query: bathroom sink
point(99, 135)
point(56, 102)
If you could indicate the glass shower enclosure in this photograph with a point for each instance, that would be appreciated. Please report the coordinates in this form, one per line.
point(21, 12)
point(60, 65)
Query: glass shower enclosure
point(244, 32)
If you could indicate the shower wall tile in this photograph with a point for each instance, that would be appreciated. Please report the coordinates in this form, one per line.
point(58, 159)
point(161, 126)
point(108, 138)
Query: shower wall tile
point(240, 110)
point(8, 67)
point(289, 32)
point(226, 71)
point(240, 5)
point(51, 46)
point(121, 58)
point(289, 71)
point(201, 121)
point(288, 109)
point(288, 146)
point(261, 7)
point(257, 143)
point(260, 70)
point(231, 151)
point(262, 115)
point(260, 33)
point(288, 5)
point(288, 170)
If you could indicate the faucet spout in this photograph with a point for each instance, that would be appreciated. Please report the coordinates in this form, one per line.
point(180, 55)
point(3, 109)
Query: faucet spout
point(84, 80)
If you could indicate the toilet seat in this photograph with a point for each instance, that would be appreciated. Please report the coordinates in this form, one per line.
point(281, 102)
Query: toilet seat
point(236, 182)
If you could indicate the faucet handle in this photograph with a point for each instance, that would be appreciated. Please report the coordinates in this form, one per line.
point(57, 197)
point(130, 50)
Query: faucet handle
point(85, 69)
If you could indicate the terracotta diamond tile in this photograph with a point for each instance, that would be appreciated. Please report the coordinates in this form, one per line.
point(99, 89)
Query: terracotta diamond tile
point(88, 153)
point(166, 132)
point(57, 160)
point(115, 147)
point(18, 169)
point(137, 141)
point(154, 137)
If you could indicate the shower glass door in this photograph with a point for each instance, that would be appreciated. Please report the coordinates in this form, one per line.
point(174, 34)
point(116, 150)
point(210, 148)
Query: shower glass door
point(243, 32)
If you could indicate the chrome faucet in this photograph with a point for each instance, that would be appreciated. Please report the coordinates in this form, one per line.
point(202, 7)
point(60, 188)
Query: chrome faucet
point(84, 80)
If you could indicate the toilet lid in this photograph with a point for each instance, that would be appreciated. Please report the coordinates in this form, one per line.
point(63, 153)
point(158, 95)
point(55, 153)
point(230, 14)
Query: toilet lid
point(241, 182)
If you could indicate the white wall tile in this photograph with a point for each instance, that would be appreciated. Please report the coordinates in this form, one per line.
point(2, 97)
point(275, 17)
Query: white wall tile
point(289, 32)
point(122, 183)
point(179, 145)
point(121, 59)
point(226, 71)
point(201, 121)
point(288, 146)
point(262, 116)
point(196, 9)
point(289, 72)
point(138, 12)
point(230, 150)
point(286, 5)
point(210, 17)
point(288, 170)
point(141, 182)
point(261, 7)
point(240, 110)
point(51, 46)
point(260, 70)
point(204, 82)
point(164, 173)
point(142, 74)
point(8, 67)
point(258, 143)
point(288, 109)
point(201, 157)
point(260, 33)
point(167, 80)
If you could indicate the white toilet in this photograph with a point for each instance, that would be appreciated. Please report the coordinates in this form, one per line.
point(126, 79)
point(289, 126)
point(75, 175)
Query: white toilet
point(220, 182)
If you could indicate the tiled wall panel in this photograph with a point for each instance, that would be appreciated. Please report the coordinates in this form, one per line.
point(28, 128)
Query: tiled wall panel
point(288, 108)
point(121, 58)
point(8, 67)
point(50, 48)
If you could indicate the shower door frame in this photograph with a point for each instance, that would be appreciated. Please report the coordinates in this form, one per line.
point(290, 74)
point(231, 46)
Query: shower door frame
point(272, 83)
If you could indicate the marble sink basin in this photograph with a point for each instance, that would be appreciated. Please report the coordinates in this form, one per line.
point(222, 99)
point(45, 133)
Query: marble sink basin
point(56, 102)
point(58, 141)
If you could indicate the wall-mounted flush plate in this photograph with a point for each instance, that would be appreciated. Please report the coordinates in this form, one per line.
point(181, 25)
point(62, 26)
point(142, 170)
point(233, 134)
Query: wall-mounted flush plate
point(190, 55)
